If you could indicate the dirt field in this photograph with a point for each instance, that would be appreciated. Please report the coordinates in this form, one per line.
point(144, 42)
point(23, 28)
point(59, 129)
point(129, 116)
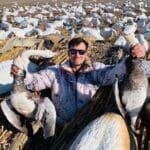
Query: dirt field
point(8, 3)
point(31, 2)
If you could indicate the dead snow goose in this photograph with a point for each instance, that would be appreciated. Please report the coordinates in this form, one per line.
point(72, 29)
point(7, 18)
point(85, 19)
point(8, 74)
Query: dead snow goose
point(134, 88)
point(24, 104)
point(133, 93)
point(6, 79)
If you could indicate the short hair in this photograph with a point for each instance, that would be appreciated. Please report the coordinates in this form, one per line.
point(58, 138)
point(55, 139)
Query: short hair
point(76, 41)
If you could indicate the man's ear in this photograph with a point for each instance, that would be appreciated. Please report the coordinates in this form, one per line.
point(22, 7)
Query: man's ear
point(68, 52)
point(88, 53)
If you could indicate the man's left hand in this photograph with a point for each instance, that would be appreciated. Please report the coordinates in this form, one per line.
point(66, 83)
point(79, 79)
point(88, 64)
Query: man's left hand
point(138, 51)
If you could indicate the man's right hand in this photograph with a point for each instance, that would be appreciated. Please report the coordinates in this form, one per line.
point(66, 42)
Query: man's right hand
point(138, 51)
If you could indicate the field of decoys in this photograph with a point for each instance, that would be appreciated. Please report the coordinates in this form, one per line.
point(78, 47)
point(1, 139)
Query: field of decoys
point(49, 25)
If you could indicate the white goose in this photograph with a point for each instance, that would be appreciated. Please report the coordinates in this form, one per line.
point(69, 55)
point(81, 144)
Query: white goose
point(6, 79)
point(24, 104)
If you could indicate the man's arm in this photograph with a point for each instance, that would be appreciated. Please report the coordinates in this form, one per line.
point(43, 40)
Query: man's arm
point(36, 81)
point(138, 51)
point(108, 74)
point(145, 65)
point(40, 80)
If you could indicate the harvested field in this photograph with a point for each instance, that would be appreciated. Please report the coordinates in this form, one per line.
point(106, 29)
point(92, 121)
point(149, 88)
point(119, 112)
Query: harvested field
point(39, 38)
point(31, 2)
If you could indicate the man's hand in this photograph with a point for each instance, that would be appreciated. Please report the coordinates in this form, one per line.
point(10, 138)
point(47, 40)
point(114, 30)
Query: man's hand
point(15, 70)
point(138, 51)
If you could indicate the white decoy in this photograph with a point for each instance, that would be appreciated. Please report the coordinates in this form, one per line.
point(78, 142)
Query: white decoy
point(4, 26)
point(4, 18)
point(6, 79)
point(147, 34)
point(95, 15)
point(143, 41)
point(18, 19)
point(21, 32)
point(142, 10)
point(95, 9)
point(121, 41)
point(129, 13)
point(4, 34)
point(127, 30)
point(92, 32)
point(44, 11)
point(107, 15)
point(108, 32)
point(148, 19)
point(80, 10)
point(130, 26)
point(148, 24)
point(33, 21)
point(47, 31)
point(118, 26)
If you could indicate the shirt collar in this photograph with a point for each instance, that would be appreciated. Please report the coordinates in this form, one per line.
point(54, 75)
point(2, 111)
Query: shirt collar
point(87, 66)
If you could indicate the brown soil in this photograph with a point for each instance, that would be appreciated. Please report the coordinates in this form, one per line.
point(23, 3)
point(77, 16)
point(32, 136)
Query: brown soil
point(33, 2)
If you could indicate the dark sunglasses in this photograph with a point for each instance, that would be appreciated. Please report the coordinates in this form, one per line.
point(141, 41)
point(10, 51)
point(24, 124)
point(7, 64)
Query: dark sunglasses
point(74, 51)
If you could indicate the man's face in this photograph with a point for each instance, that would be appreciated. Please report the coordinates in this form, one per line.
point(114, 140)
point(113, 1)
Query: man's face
point(78, 54)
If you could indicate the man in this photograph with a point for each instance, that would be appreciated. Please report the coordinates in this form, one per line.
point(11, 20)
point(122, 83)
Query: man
point(74, 83)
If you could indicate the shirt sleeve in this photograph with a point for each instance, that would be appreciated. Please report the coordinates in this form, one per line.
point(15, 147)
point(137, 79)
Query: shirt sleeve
point(108, 74)
point(40, 80)
point(145, 65)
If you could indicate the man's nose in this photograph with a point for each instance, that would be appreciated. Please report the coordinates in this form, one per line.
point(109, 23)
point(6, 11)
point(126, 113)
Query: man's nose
point(77, 54)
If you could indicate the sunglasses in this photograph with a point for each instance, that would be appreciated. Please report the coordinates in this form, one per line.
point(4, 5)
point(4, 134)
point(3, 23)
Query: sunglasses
point(74, 51)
